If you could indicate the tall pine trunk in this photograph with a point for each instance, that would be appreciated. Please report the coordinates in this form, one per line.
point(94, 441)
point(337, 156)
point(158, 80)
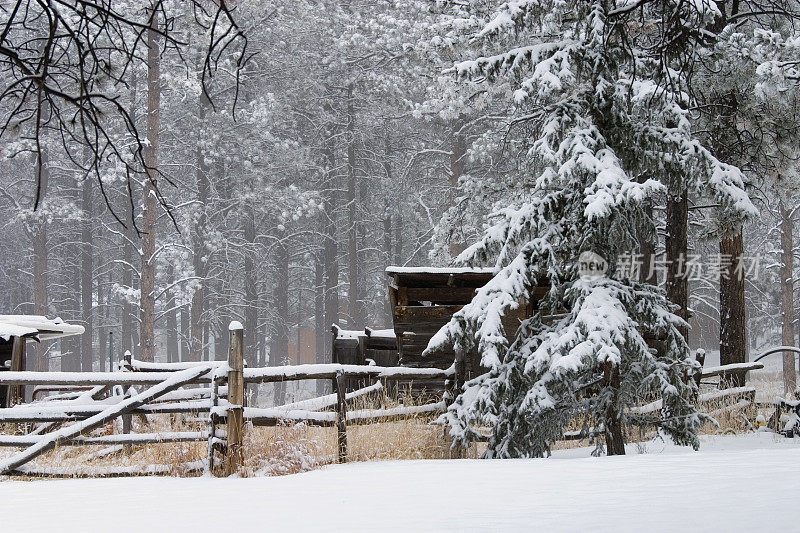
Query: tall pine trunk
point(86, 275)
point(200, 259)
point(787, 297)
point(279, 349)
point(458, 160)
point(150, 201)
point(40, 264)
point(185, 332)
point(732, 323)
point(172, 323)
point(614, 431)
point(352, 214)
point(329, 258)
point(127, 320)
point(251, 334)
point(387, 223)
point(676, 242)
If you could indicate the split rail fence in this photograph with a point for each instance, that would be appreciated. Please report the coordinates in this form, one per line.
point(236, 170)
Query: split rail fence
point(89, 400)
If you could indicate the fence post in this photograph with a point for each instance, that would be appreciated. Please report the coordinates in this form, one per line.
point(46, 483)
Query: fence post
point(341, 418)
point(212, 425)
point(126, 419)
point(233, 456)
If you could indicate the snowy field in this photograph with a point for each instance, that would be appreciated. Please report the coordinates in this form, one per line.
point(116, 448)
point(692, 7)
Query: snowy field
point(736, 483)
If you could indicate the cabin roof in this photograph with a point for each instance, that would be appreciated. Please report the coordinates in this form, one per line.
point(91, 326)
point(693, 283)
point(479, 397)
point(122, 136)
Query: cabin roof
point(440, 277)
point(36, 326)
point(439, 270)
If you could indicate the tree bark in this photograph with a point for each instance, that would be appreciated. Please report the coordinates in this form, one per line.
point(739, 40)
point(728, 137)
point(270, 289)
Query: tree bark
point(614, 432)
point(387, 225)
point(732, 322)
point(279, 349)
point(353, 311)
point(787, 297)
point(319, 307)
point(172, 323)
point(86, 275)
point(150, 201)
point(200, 256)
point(676, 241)
point(126, 342)
point(648, 240)
point(251, 331)
point(40, 265)
point(329, 258)
point(185, 332)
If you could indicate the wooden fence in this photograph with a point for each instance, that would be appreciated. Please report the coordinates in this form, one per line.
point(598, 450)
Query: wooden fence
point(87, 401)
point(176, 388)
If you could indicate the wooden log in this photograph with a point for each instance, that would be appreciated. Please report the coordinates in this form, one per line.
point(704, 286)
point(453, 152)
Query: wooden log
point(341, 419)
point(234, 458)
point(50, 440)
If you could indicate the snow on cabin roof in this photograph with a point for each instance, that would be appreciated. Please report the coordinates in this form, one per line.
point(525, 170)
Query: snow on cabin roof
point(36, 325)
point(366, 332)
point(349, 333)
point(380, 333)
point(440, 270)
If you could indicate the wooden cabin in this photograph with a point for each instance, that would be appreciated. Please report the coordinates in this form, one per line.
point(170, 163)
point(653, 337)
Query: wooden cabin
point(15, 332)
point(423, 299)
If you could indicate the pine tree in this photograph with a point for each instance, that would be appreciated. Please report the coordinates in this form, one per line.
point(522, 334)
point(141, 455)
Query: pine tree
point(605, 105)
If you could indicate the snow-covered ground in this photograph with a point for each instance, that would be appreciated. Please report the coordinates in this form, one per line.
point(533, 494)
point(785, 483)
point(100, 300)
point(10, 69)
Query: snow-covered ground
point(735, 483)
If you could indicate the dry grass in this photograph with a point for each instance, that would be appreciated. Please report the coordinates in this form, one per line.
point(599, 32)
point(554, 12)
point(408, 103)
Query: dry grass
point(267, 450)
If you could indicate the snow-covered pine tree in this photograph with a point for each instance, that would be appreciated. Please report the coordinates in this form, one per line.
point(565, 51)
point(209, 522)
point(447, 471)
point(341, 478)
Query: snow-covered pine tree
point(603, 97)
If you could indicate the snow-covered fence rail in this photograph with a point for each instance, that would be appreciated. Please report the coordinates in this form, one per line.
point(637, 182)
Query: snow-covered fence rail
point(171, 388)
point(731, 368)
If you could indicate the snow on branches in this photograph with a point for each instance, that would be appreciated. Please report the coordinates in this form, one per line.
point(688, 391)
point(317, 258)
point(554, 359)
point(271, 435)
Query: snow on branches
point(609, 134)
